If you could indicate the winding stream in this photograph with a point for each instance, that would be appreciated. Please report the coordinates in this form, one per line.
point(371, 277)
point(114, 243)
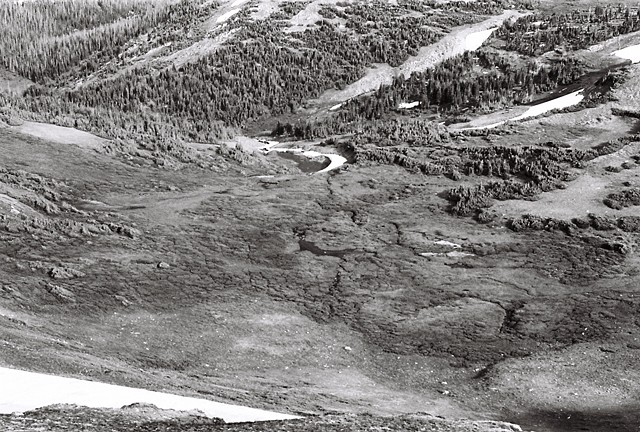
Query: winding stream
point(306, 245)
point(335, 160)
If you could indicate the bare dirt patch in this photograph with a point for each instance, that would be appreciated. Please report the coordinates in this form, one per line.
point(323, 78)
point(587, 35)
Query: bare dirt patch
point(62, 135)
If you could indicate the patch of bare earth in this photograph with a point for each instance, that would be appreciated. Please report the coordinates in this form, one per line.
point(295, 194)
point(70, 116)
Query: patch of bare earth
point(62, 135)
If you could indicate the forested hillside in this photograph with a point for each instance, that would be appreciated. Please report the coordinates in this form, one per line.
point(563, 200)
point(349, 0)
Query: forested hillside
point(539, 33)
point(42, 40)
point(262, 71)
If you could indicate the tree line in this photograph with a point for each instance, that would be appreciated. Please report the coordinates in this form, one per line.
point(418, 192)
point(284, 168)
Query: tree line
point(260, 72)
point(480, 81)
point(526, 172)
point(457, 84)
point(538, 33)
point(65, 40)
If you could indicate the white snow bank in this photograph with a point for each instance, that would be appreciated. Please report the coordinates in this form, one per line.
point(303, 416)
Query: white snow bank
point(457, 254)
point(630, 53)
point(557, 103)
point(457, 41)
point(452, 254)
point(475, 40)
point(447, 243)
point(225, 16)
point(408, 105)
point(23, 391)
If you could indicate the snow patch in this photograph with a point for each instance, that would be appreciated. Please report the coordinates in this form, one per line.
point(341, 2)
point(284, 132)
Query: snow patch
point(458, 254)
point(475, 40)
point(268, 145)
point(447, 243)
point(629, 53)
point(408, 105)
point(595, 48)
point(452, 254)
point(24, 391)
point(225, 16)
point(558, 103)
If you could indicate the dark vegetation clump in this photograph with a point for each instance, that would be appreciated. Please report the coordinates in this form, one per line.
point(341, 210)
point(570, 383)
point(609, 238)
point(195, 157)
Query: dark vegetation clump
point(602, 223)
point(625, 112)
point(625, 198)
point(536, 169)
point(582, 223)
point(614, 145)
point(629, 224)
point(537, 223)
point(485, 216)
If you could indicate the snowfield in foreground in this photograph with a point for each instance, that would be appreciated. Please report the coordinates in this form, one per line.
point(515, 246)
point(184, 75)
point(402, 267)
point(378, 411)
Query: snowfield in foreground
point(23, 391)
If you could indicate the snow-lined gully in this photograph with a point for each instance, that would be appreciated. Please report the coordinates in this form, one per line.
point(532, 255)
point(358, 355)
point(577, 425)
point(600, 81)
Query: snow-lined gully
point(459, 40)
point(571, 95)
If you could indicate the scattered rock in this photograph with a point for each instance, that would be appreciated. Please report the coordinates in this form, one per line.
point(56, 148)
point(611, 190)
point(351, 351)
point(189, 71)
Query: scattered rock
point(64, 273)
point(122, 300)
point(60, 293)
point(163, 265)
